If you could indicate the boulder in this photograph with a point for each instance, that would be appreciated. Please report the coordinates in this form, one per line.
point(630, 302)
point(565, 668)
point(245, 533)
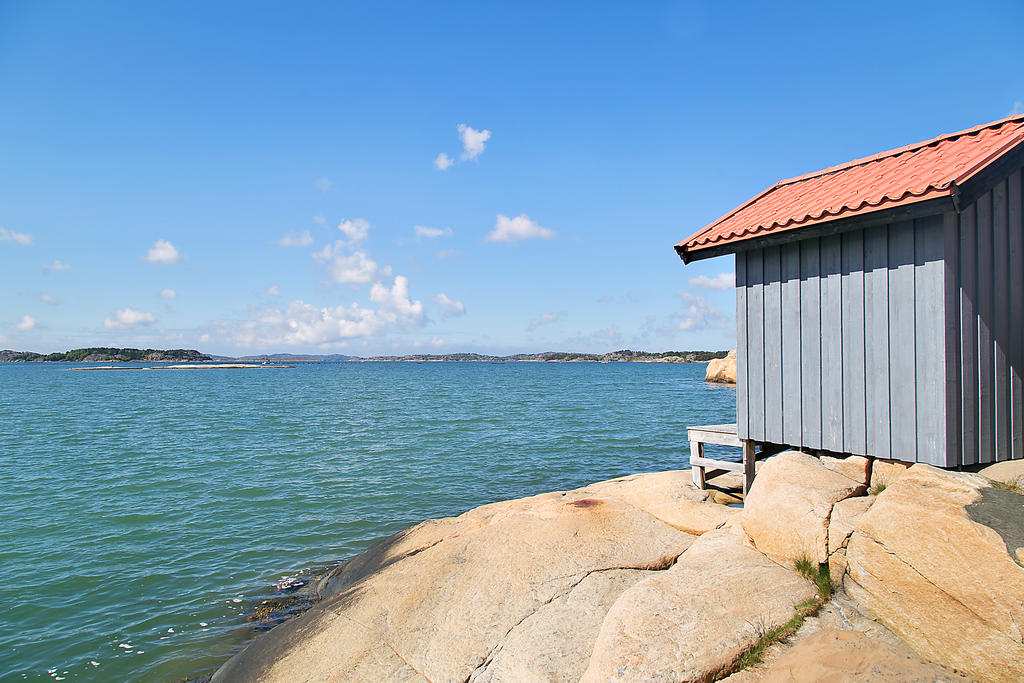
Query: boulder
point(844, 517)
point(787, 510)
point(856, 467)
point(933, 559)
point(885, 472)
point(722, 369)
point(439, 600)
point(694, 621)
point(831, 655)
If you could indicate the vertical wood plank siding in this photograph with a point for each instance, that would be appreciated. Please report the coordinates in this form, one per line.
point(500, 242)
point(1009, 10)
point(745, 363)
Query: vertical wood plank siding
point(989, 323)
point(832, 339)
point(901, 341)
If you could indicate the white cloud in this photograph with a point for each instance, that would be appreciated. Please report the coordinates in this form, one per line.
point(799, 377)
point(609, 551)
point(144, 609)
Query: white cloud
point(545, 319)
point(449, 307)
point(163, 252)
point(27, 323)
point(296, 239)
point(722, 281)
point(430, 233)
point(128, 317)
point(345, 268)
point(168, 294)
point(443, 162)
point(355, 230)
point(319, 219)
point(472, 140)
point(445, 253)
point(56, 265)
point(698, 314)
point(323, 184)
point(273, 290)
point(302, 323)
point(437, 341)
point(395, 304)
point(517, 229)
point(47, 299)
point(16, 237)
point(1018, 108)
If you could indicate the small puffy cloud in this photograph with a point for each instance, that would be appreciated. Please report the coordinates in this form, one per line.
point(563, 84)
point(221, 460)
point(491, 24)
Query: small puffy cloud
point(395, 304)
point(296, 239)
point(437, 341)
point(163, 252)
point(46, 298)
point(355, 230)
point(443, 162)
point(449, 307)
point(168, 294)
point(517, 229)
point(273, 290)
point(56, 265)
point(128, 317)
point(472, 140)
point(1018, 108)
point(345, 268)
point(26, 323)
point(445, 253)
point(320, 219)
point(545, 319)
point(722, 281)
point(698, 314)
point(323, 184)
point(423, 231)
point(16, 237)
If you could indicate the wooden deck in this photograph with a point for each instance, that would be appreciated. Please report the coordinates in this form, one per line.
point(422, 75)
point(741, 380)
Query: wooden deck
point(703, 468)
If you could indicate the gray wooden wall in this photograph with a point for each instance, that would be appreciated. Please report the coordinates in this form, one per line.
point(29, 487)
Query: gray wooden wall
point(841, 342)
point(985, 299)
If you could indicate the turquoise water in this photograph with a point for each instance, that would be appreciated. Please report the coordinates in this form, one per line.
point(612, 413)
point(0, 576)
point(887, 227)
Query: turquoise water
point(145, 512)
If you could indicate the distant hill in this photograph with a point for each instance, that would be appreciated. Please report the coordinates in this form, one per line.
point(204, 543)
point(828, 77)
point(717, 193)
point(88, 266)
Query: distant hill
point(295, 357)
point(104, 355)
point(112, 355)
point(623, 356)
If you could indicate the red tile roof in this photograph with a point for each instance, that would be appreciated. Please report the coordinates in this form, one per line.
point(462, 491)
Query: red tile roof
point(900, 176)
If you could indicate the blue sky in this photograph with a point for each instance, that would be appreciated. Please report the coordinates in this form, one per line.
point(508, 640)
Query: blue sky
point(155, 157)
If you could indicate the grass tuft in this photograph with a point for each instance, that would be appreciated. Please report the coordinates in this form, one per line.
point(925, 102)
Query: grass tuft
point(1007, 486)
point(877, 488)
point(820, 576)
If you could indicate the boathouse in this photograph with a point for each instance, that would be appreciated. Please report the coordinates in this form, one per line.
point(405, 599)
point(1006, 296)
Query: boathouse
point(880, 303)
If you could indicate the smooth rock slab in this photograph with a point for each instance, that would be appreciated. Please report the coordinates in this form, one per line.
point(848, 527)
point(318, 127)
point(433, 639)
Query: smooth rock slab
point(944, 583)
point(437, 600)
point(832, 655)
point(693, 622)
point(554, 643)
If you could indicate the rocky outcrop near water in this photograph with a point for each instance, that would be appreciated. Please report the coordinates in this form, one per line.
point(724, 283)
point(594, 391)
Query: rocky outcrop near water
point(645, 577)
point(722, 369)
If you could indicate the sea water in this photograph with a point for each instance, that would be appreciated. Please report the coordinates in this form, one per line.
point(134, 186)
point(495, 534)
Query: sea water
point(145, 513)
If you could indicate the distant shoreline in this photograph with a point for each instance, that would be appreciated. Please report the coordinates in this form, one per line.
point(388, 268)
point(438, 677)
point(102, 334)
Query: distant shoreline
point(191, 356)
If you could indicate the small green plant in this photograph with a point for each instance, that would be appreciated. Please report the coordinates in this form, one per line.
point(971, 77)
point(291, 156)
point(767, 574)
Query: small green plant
point(1007, 486)
point(877, 488)
point(817, 574)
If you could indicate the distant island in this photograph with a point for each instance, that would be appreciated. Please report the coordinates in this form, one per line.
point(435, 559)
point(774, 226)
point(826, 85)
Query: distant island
point(113, 355)
point(623, 356)
point(105, 355)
